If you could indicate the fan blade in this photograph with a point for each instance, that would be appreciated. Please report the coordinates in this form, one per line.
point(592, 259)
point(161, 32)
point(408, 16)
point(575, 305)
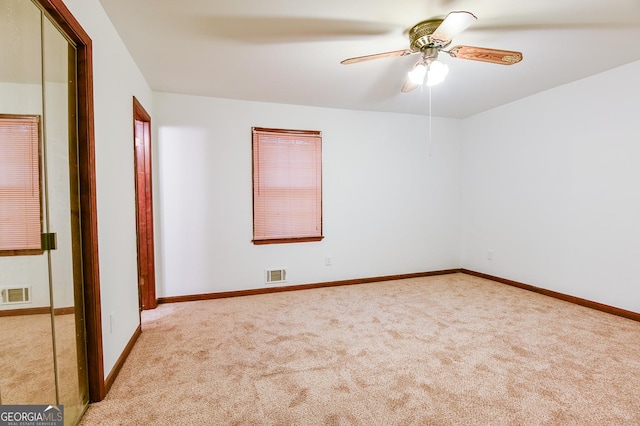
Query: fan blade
point(404, 52)
point(409, 86)
point(494, 56)
point(454, 23)
point(257, 29)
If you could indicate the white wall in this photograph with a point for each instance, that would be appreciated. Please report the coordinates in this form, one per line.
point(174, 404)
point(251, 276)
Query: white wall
point(33, 271)
point(388, 207)
point(116, 80)
point(550, 183)
point(29, 271)
point(21, 93)
point(547, 183)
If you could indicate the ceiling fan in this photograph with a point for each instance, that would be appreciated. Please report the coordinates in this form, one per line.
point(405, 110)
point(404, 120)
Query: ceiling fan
point(433, 36)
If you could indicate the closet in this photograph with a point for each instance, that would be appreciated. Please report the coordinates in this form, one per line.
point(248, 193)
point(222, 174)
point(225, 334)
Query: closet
point(42, 330)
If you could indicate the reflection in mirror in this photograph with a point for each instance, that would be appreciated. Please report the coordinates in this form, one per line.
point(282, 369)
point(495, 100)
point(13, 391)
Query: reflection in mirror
point(62, 189)
point(41, 317)
point(27, 359)
point(25, 314)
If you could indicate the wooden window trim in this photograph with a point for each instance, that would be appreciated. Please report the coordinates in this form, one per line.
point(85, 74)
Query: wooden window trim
point(287, 240)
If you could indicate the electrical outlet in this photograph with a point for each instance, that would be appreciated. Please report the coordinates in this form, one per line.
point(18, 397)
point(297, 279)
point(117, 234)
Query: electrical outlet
point(327, 261)
point(490, 255)
point(111, 321)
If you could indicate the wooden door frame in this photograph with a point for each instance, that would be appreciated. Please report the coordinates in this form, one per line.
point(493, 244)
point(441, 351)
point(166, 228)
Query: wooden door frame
point(68, 25)
point(144, 209)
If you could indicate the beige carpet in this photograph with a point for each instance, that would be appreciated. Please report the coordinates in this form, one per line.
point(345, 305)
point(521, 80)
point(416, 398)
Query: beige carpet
point(27, 373)
point(444, 350)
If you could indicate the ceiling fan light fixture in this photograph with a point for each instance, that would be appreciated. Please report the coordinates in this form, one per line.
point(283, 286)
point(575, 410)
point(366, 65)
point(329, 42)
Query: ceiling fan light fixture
point(418, 73)
point(436, 73)
point(432, 36)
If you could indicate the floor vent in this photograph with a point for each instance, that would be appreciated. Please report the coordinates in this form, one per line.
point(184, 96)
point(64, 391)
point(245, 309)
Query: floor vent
point(15, 295)
point(275, 276)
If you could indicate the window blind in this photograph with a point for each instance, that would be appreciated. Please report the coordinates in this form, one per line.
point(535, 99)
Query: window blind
point(20, 213)
point(287, 185)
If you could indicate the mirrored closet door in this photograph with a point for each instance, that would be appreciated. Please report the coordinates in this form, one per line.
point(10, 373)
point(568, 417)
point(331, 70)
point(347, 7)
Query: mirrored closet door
point(42, 335)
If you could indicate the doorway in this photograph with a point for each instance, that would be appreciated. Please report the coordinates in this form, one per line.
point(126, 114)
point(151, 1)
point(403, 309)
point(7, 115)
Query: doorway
point(144, 207)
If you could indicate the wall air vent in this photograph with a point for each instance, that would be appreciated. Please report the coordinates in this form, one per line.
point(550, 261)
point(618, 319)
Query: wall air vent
point(275, 276)
point(12, 295)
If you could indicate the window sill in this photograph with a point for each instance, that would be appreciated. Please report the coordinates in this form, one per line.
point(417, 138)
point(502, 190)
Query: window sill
point(27, 252)
point(287, 240)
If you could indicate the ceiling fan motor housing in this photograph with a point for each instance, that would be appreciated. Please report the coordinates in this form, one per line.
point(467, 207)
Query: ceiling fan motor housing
point(420, 35)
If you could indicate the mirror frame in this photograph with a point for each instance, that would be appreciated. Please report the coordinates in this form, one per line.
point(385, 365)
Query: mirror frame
point(58, 13)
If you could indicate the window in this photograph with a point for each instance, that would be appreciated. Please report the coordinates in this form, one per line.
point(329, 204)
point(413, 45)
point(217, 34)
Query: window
point(20, 217)
point(287, 186)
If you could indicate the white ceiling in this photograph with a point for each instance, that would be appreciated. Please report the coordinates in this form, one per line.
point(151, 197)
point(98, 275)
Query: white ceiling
point(289, 51)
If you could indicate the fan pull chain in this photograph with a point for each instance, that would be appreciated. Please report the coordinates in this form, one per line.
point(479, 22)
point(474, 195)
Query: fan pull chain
point(429, 143)
point(429, 138)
